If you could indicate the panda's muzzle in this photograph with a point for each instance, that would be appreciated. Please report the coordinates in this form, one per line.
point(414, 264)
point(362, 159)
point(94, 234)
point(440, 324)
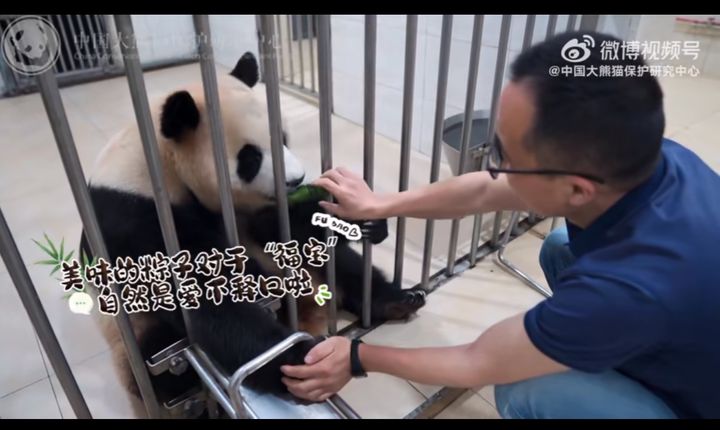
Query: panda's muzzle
point(293, 184)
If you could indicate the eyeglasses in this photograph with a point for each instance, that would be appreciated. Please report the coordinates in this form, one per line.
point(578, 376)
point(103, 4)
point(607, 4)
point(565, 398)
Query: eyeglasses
point(496, 159)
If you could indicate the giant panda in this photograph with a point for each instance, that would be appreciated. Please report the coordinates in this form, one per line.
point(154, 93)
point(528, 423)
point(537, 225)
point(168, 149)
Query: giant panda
point(231, 333)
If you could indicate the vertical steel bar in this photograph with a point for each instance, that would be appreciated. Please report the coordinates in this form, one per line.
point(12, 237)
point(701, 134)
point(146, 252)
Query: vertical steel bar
point(276, 140)
point(406, 136)
point(34, 308)
point(297, 19)
point(71, 162)
point(290, 50)
point(141, 106)
point(440, 99)
point(369, 153)
point(324, 97)
point(552, 23)
point(497, 87)
point(212, 101)
point(466, 128)
point(312, 38)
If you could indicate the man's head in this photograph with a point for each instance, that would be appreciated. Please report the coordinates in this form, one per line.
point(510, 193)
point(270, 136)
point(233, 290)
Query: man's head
point(608, 128)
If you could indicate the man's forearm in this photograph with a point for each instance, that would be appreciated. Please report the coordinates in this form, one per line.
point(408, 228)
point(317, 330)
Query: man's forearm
point(449, 366)
point(502, 354)
point(456, 197)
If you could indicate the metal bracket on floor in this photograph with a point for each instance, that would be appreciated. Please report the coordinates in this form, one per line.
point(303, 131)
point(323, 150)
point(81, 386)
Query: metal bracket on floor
point(169, 359)
point(436, 403)
point(228, 392)
point(190, 404)
point(512, 269)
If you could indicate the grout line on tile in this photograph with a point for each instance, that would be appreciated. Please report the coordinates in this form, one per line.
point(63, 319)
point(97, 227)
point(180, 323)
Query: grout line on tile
point(47, 372)
point(486, 401)
point(22, 388)
point(416, 389)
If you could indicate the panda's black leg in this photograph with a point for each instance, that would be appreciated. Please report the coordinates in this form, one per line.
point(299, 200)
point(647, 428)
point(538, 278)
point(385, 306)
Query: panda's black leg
point(389, 301)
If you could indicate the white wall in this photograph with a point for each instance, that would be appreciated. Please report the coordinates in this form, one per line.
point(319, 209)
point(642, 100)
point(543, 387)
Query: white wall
point(171, 36)
point(621, 26)
point(164, 37)
point(168, 37)
point(348, 68)
point(232, 36)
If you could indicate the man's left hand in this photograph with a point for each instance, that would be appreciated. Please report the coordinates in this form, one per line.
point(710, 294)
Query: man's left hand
point(326, 371)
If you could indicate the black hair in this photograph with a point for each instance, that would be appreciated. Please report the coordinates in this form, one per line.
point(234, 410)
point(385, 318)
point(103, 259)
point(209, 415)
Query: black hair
point(610, 126)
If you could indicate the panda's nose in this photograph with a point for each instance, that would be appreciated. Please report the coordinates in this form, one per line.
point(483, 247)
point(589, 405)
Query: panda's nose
point(295, 182)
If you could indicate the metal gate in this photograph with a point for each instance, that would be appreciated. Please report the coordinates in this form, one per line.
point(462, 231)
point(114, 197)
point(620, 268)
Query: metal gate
point(84, 52)
point(219, 388)
point(88, 50)
point(296, 46)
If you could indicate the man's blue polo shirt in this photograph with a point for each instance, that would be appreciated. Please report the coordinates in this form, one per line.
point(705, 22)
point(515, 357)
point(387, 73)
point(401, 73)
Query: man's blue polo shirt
point(643, 297)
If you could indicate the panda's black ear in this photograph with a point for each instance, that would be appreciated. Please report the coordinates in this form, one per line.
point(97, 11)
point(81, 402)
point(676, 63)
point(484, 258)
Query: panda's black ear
point(179, 114)
point(246, 70)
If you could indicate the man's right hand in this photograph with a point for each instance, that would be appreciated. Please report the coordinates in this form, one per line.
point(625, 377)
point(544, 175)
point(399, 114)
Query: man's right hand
point(354, 199)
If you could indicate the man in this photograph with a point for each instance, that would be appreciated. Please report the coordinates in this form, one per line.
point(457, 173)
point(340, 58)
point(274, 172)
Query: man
point(633, 327)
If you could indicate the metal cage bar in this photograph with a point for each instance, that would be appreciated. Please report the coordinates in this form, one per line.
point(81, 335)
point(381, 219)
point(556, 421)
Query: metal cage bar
point(34, 308)
point(71, 162)
point(497, 87)
point(369, 152)
point(212, 101)
point(405, 137)
point(312, 38)
point(272, 83)
point(440, 99)
point(466, 129)
point(552, 23)
point(141, 106)
point(325, 96)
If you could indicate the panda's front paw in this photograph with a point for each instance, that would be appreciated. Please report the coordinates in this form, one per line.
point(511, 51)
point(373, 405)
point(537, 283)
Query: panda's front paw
point(299, 351)
point(376, 230)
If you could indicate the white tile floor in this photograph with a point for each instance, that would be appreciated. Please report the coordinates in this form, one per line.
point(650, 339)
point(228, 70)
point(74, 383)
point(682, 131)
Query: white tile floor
point(35, 203)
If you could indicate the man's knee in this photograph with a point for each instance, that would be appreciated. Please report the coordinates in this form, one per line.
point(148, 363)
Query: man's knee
point(575, 394)
point(555, 243)
point(520, 399)
point(507, 400)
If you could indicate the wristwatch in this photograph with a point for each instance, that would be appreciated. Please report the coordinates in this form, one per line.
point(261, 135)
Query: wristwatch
point(356, 369)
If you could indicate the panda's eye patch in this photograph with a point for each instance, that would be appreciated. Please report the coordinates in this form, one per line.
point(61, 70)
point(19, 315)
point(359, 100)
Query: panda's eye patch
point(249, 161)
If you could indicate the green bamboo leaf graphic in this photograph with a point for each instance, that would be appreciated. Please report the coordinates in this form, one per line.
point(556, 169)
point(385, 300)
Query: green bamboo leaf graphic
point(51, 245)
point(47, 262)
point(50, 253)
point(55, 270)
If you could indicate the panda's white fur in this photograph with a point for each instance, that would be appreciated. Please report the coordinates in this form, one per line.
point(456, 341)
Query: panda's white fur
point(121, 164)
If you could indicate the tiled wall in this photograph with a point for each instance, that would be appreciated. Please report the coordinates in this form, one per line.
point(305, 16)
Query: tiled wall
point(163, 37)
point(348, 68)
point(232, 36)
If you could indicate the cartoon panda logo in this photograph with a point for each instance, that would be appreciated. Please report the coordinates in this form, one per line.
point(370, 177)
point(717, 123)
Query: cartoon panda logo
point(30, 45)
